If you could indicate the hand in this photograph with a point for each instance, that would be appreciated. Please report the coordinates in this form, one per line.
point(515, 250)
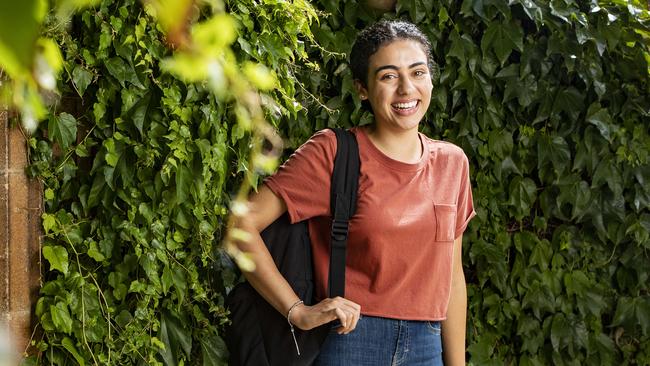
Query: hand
point(309, 317)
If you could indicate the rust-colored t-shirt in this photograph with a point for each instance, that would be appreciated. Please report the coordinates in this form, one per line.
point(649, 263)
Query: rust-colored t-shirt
point(400, 246)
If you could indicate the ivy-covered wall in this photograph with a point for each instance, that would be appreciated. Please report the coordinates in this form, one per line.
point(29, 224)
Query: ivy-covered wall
point(549, 99)
point(139, 168)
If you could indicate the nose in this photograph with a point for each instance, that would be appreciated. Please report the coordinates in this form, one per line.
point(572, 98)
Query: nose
point(405, 86)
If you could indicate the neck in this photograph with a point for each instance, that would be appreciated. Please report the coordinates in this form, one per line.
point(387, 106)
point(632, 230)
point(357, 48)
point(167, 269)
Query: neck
point(404, 146)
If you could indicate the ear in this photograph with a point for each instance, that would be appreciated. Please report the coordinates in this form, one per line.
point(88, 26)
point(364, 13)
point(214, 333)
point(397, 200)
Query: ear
point(361, 89)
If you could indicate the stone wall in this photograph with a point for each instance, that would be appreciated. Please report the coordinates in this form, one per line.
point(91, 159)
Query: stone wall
point(20, 211)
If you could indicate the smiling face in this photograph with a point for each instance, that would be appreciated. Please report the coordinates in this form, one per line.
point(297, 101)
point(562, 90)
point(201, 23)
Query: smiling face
point(399, 85)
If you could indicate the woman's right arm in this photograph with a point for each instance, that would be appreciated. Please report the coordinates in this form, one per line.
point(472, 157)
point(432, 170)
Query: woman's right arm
point(265, 207)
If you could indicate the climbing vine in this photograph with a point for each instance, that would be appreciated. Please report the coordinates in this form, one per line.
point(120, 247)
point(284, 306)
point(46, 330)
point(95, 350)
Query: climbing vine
point(163, 105)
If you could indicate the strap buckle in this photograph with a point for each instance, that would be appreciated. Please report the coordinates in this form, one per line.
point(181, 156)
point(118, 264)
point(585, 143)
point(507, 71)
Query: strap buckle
point(339, 231)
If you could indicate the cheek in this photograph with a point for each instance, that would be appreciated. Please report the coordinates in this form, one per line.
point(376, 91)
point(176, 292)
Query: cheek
point(427, 86)
point(381, 97)
point(426, 93)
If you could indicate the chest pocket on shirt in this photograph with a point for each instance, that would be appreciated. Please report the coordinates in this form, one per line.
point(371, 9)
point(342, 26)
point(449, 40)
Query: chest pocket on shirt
point(445, 222)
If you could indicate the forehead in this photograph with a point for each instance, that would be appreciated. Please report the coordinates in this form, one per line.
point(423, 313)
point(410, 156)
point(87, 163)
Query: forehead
point(400, 53)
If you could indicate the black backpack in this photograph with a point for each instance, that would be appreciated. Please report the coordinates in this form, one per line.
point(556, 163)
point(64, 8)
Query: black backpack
point(258, 334)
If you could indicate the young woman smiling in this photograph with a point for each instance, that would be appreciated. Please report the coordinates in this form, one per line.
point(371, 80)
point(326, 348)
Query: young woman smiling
point(406, 297)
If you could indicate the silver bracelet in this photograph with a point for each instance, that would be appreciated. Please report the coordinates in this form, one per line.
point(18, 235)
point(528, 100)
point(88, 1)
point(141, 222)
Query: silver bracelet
point(293, 332)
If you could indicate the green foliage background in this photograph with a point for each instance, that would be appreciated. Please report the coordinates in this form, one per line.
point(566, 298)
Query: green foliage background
point(549, 99)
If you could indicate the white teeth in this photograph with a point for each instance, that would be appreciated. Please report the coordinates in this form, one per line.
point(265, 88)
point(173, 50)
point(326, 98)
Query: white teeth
point(406, 105)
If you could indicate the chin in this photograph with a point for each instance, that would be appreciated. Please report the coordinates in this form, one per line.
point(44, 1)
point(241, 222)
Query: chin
point(408, 125)
point(403, 123)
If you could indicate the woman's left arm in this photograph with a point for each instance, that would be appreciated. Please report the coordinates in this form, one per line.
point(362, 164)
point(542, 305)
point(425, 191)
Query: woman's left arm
point(454, 327)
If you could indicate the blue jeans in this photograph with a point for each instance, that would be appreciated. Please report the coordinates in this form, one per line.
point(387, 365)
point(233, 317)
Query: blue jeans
point(384, 342)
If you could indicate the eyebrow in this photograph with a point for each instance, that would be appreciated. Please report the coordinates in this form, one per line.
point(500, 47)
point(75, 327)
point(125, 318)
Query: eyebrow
point(393, 67)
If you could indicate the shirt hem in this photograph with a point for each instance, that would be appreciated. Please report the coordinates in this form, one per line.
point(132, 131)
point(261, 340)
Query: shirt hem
point(403, 317)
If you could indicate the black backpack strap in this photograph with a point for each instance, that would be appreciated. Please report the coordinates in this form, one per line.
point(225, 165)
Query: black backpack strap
point(343, 201)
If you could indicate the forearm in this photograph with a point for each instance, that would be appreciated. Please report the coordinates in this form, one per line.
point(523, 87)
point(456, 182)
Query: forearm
point(454, 327)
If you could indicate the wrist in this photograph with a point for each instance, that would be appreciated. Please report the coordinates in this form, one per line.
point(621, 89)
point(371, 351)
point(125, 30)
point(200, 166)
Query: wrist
point(297, 315)
point(291, 313)
point(295, 305)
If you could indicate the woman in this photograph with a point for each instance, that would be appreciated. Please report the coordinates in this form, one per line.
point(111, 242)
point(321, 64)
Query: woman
point(403, 269)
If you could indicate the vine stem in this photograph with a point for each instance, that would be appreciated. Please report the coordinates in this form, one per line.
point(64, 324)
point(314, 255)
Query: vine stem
point(320, 104)
point(73, 84)
point(31, 338)
point(108, 317)
point(69, 153)
point(611, 256)
point(83, 305)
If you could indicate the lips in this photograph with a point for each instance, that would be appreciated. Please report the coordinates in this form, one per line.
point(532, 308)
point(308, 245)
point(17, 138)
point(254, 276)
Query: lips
point(405, 108)
point(406, 105)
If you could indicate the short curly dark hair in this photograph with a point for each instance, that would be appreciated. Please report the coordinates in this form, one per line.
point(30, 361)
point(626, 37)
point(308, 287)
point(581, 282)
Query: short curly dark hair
point(373, 37)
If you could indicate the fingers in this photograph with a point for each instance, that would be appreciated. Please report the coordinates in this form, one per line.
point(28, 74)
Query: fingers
point(309, 317)
point(343, 318)
point(347, 312)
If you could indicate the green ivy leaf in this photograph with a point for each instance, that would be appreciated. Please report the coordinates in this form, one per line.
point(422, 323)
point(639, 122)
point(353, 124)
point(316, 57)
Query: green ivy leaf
point(81, 79)
point(30, 361)
point(582, 199)
point(500, 143)
point(624, 314)
point(541, 255)
point(180, 283)
point(560, 330)
point(62, 129)
point(554, 150)
point(122, 71)
point(608, 172)
point(443, 17)
point(594, 301)
point(140, 111)
point(643, 314)
point(57, 256)
point(123, 318)
point(166, 279)
point(482, 350)
point(502, 38)
point(570, 101)
point(600, 118)
point(176, 336)
point(94, 253)
point(120, 291)
point(49, 222)
point(213, 351)
point(61, 317)
point(112, 153)
point(523, 193)
point(69, 345)
point(577, 283)
point(183, 183)
point(96, 190)
point(137, 286)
